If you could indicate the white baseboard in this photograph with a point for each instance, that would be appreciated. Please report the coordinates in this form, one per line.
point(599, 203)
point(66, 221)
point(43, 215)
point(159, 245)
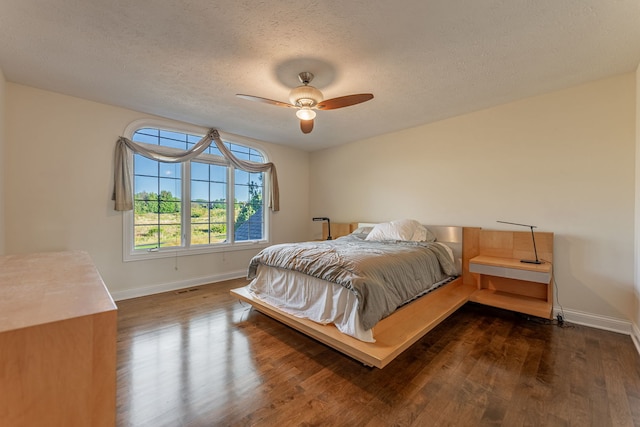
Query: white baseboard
point(596, 321)
point(174, 286)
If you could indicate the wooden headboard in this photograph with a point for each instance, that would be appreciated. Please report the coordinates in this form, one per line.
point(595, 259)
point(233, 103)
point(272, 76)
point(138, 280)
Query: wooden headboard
point(338, 229)
point(452, 236)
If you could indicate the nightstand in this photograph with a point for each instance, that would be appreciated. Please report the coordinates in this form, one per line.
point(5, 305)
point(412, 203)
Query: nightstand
point(513, 285)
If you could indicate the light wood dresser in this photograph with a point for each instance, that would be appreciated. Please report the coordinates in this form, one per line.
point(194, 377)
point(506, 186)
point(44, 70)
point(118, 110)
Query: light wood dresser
point(58, 326)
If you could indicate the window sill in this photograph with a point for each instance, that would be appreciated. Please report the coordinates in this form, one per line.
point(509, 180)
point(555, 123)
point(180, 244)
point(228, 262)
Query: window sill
point(130, 256)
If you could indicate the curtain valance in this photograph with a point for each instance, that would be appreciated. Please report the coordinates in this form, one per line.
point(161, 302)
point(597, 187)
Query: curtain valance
point(123, 185)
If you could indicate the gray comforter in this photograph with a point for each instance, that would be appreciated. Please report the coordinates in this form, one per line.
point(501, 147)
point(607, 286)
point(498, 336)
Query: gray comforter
point(383, 275)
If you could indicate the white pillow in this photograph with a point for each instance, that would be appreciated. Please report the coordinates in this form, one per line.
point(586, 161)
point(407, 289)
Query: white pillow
point(362, 232)
point(422, 234)
point(403, 229)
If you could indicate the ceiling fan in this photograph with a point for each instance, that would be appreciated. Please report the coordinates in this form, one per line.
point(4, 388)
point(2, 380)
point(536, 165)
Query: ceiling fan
point(307, 98)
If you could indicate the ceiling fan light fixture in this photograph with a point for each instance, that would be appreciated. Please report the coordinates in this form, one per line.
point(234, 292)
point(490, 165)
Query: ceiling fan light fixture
point(307, 99)
point(305, 113)
point(305, 96)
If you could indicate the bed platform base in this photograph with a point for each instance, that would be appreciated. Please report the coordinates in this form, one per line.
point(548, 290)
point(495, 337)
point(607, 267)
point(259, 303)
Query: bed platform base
point(393, 335)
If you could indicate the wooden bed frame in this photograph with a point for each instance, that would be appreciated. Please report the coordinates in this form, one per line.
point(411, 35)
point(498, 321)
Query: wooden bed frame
point(400, 330)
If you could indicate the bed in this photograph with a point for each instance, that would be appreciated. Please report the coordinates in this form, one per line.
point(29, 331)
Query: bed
point(318, 287)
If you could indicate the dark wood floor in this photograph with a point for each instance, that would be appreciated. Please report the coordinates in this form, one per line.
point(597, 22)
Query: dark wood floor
point(200, 358)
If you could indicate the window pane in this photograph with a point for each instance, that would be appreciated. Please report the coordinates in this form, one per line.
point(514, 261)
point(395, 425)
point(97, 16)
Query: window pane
point(143, 184)
point(257, 192)
point(170, 236)
point(173, 139)
point(199, 191)
point(157, 207)
point(170, 189)
point(219, 206)
point(242, 177)
point(199, 171)
point(255, 156)
point(242, 193)
point(170, 213)
point(243, 155)
point(146, 237)
point(248, 208)
point(239, 150)
point(144, 166)
point(218, 191)
point(199, 212)
point(170, 170)
point(218, 232)
point(193, 139)
point(255, 178)
point(218, 173)
point(250, 229)
point(208, 218)
point(200, 234)
point(178, 136)
point(148, 215)
point(218, 213)
point(150, 136)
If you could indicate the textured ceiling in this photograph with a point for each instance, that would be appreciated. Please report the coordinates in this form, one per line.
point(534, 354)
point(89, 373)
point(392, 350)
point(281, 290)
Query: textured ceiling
point(424, 60)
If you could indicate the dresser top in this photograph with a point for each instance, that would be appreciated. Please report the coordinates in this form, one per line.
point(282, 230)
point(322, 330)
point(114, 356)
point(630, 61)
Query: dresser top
point(47, 287)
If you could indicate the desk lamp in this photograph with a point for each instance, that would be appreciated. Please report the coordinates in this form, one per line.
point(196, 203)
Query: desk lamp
point(324, 218)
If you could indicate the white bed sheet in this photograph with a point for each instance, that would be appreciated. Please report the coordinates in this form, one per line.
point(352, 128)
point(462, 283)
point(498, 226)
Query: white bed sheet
point(311, 298)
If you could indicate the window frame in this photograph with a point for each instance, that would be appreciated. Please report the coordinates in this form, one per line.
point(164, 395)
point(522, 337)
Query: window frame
point(128, 246)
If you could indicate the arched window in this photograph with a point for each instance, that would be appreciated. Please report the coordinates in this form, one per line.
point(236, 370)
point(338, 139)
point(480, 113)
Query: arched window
point(202, 205)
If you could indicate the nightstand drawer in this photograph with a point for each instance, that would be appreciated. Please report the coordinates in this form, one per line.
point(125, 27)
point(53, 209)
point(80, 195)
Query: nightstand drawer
point(511, 273)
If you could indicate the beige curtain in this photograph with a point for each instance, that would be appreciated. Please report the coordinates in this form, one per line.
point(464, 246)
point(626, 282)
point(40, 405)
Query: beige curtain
point(123, 185)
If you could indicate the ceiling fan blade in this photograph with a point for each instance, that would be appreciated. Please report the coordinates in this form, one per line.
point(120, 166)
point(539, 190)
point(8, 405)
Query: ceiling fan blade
point(344, 101)
point(306, 126)
point(265, 100)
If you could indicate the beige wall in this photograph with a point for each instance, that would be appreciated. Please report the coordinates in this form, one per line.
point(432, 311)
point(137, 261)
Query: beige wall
point(59, 152)
point(636, 317)
point(3, 85)
point(562, 161)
